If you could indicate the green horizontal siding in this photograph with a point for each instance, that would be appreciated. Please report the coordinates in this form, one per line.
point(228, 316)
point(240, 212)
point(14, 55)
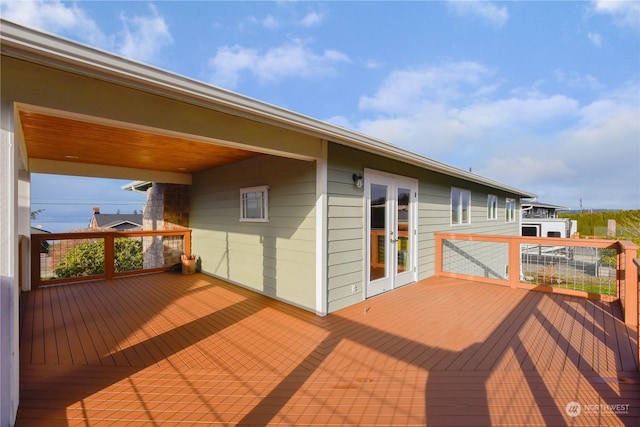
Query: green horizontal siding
point(276, 258)
point(346, 221)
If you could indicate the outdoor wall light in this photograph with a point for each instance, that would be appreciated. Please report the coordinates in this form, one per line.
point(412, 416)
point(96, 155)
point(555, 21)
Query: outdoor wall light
point(358, 180)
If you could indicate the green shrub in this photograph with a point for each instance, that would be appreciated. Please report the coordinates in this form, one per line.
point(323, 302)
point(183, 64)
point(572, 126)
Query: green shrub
point(87, 259)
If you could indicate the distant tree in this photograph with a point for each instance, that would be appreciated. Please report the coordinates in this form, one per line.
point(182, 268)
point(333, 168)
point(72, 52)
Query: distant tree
point(628, 227)
point(44, 245)
point(588, 222)
point(88, 258)
point(34, 214)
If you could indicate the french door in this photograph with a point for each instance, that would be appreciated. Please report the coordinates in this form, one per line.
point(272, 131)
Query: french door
point(391, 230)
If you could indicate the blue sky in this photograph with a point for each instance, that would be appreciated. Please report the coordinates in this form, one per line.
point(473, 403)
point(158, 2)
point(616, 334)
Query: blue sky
point(544, 96)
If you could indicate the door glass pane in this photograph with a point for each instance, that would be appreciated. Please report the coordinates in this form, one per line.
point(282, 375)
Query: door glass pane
point(404, 201)
point(378, 237)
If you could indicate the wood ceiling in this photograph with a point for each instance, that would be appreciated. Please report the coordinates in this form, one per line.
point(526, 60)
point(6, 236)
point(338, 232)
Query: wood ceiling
point(51, 137)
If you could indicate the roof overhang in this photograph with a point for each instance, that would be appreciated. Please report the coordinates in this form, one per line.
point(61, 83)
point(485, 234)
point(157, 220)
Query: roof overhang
point(137, 186)
point(51, 51)
point(536, 204)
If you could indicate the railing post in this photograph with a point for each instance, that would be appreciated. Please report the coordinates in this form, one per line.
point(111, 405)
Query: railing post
point(439, 239)
point(35, 262)
point(636, 263)
point(187, 242)
point(109, 256)
point(514, 262)
point(24, 261)
point(629, 276)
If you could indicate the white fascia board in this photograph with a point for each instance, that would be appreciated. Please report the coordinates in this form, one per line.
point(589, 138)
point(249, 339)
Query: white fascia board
point(117, 223)
point(46, 49)
point(136, 185)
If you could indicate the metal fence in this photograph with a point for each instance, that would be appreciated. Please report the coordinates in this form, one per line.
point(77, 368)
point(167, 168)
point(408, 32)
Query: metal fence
point(587, 269)
point(62, 257)
point(591, 268)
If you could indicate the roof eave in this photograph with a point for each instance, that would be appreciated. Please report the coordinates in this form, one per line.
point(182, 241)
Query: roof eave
point(46, 49)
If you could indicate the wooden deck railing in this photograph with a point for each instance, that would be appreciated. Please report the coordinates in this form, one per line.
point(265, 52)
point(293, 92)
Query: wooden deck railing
point(636, 263)
point(524, 262)
point(67, 257)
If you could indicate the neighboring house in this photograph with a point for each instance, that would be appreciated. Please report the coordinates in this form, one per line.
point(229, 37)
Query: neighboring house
point(44, 248)
point(119, 222)
point(300, 210)
point(541, 220)
point(36, 230)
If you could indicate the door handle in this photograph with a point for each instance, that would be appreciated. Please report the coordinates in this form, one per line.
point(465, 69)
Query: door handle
point(393, 240)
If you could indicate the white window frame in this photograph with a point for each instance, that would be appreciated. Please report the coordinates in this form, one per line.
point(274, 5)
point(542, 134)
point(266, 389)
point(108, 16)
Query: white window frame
point(459, 202)
point(509, 210)
point(492, 207)
point(263, 200)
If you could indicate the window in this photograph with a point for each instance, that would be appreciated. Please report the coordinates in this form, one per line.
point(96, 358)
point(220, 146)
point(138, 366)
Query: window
point(492, 207)
point(460, 204)
point(254, 204)
point(510, 210)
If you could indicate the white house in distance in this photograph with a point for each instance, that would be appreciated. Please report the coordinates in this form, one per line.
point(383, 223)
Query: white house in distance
point(294, 208)
point(542, 220)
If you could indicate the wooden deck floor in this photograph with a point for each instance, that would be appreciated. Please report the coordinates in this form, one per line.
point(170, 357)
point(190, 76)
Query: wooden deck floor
point(168, 349)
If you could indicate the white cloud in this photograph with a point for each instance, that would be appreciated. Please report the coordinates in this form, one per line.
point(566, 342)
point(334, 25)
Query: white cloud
point(144, 37)
point(595, 38)
point(575, 80)
point(527, 169)
point(624, 13)
point(340, 121)
point(550, 144)
point(54, 16)
point(372, 64)
point(486, 11)
point(291, 60)
point(312, 19)
point(517, 113)
point(430, 130)
point(229, 62)
point(595, 158)
point(404, 91)
point(270, 22)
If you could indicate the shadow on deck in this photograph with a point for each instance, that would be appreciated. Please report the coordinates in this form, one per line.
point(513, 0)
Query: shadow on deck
point(170, 349)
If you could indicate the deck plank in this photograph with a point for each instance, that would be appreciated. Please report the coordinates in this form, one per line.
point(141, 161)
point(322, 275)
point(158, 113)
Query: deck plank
point(627, 345)
point(183, 350)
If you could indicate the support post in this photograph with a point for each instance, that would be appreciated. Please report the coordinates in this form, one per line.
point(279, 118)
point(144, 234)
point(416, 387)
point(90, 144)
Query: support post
point(439, 249)
point(109, 256)
point(628, 276)
point(514, 262)
point(636, 263)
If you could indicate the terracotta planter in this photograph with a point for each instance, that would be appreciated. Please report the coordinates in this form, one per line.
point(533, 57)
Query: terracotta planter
point(188, 265)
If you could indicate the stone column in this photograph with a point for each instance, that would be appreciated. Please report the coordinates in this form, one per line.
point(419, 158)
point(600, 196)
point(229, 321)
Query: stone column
point(167, 208)
point(152, 219)
point(175, 216)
